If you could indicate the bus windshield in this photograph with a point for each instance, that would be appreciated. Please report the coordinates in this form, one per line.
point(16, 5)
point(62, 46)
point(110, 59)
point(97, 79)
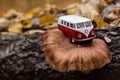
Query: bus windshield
point(88, 24)
point(84, 24)
point(80, 25)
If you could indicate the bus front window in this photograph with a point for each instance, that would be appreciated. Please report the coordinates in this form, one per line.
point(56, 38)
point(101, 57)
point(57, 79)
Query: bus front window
point(78, 26)
point(88, 24)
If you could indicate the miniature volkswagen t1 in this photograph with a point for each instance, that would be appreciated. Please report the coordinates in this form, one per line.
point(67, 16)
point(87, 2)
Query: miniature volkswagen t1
point(77, 28)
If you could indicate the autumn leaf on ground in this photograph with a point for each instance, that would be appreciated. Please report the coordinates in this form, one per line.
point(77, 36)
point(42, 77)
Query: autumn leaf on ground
point(98, 5)
point(13, 14)
point(116, 22)
point(110, 1)
point(111, 12)
point(3, 23)
point(100, 22)
point(35, 12)
point(29, 14)
point(54, 9)
point(15, 28)
point(52, 26)
point(88, 11)
point(73, 9)
point(27, 23)
point(1, 14)
point(46, 19)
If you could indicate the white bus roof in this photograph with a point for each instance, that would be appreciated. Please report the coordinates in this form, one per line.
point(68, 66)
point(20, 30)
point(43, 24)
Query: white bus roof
point(73, 18)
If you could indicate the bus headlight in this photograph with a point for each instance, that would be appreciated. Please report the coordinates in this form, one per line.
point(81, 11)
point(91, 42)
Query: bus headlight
point(79, 35)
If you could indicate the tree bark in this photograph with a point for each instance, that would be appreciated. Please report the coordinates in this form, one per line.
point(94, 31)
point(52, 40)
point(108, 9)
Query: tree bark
point(22, 59)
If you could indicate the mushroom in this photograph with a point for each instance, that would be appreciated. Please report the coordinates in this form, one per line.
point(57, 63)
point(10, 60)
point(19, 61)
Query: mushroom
point(65, 56)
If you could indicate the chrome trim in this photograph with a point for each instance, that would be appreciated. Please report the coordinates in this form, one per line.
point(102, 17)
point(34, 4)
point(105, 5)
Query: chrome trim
point(84, 39)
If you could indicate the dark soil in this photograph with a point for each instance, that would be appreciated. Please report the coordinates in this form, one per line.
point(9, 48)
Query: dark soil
point(22, 59)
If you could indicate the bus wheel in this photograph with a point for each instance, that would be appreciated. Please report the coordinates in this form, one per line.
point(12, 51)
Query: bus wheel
point(73, 40)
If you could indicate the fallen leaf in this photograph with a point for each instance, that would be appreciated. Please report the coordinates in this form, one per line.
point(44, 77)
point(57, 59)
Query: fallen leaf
point(111, 12)
point(116, 22)
point(110, 1)
point(73, 9)
point(46, 19)
point(3, 23)
point(1, 14)
point(15, 28)
point(27, 23)
point(12, 14)
point(53, 26)
point(34, 31)
point(84, 9)
point(87, 10)
point(98, 5)
point(100, 22)
point(35, 12)
point(52, 9)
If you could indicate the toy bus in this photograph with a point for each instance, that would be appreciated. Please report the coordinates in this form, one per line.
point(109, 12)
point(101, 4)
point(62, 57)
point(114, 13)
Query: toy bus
point(77, 28)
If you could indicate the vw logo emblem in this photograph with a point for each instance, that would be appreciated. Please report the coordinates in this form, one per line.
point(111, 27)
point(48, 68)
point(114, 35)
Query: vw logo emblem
point(86, 31)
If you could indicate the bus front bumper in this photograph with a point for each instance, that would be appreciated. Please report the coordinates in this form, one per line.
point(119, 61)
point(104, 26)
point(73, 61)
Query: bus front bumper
point(86, 39)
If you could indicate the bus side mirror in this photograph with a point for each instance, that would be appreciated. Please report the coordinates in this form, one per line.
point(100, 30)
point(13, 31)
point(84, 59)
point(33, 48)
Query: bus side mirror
point(94, 23)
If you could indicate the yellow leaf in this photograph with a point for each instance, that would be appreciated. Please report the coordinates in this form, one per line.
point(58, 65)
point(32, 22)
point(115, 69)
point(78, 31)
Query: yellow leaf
point(88, 11)
point(100, 22)
point(27, 23)
point(116, 22)
point(51, 27)
point(29, 14)
point(46, 19)
point(73, 9)
point(109, 1)
point(15, 28)
point(3, 23)
point(13, 14)
point(1, 14)
point(35, 12)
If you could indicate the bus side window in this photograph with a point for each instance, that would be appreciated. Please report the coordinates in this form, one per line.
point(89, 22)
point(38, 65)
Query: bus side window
point(72, 26)
point(67, 24)
point(64, 22)
point(61, 21)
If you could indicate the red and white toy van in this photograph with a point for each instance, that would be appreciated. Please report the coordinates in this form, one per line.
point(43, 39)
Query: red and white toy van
point(76, 27)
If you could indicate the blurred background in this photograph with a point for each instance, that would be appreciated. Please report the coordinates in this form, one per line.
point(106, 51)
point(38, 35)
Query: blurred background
point(26, 5)
point(21, 16)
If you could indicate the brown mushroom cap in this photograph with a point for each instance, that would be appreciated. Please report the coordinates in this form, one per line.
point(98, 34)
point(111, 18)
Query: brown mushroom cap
point(64, 56)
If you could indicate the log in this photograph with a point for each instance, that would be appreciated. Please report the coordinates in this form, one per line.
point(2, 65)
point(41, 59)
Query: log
point(21, 58)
